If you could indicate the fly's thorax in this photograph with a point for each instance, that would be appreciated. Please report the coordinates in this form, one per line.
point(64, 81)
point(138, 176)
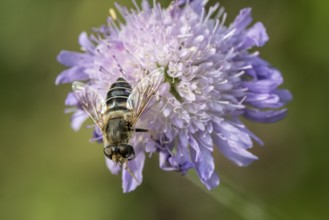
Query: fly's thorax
point(118, 129)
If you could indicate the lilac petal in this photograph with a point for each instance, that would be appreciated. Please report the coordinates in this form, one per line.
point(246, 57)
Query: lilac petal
point(178, 122)
point(243, 128)
point(164, 161)
point(71, 100)
point(77, 119)
point(183, 140)
point(261, 85)
point(262, 97)
point(97, 135)
point(285, 95)
point(206, 166)
point(255, 36)
point(113, 167)
point(269, 116)
point(242, 20)
point(233, 141)
point(212, 182)
point(263, 100)
point(184, 167)
point(145, 5)
point(182, 156)
point(217, 107)
point(136, 166)
point(69, 58)
point(151, 146)
point(268, 81)
point(233, 151)
point(180, 160)
point(195, 146)
point(277, 99)
point(258, 34)
point(233, 133)
point(205, 140)
point(85, 42)
point(72, 74)
point(258, 66)
point(253, 136)
point(269, 73)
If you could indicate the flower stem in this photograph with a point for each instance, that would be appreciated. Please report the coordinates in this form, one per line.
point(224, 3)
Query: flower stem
point(236, 202)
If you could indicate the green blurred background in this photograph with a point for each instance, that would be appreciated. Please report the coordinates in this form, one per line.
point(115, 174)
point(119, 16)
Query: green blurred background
point(48, 171)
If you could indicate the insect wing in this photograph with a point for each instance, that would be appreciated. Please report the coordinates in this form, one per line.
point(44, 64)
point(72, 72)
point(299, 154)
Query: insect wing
point(90, 101)
point(142, 94)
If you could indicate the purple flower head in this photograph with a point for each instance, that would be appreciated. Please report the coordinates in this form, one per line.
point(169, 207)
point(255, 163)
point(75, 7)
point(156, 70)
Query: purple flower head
point(211, 80)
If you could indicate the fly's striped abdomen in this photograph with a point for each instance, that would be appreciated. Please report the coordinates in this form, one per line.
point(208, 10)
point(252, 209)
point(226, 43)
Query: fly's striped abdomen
point(118, 94)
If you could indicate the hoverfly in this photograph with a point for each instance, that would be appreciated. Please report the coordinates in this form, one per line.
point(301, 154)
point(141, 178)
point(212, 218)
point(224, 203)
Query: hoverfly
point(117, 115)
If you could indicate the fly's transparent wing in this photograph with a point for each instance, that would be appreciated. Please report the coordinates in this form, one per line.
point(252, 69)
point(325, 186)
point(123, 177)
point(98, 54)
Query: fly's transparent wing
point(142, 94)
point(90, 102)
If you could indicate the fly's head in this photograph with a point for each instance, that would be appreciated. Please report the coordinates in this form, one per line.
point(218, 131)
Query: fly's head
point(120, 153)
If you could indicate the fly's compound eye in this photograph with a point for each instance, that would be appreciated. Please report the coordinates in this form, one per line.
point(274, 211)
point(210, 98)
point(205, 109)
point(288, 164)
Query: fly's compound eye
point(127, 151)
point(109, 151)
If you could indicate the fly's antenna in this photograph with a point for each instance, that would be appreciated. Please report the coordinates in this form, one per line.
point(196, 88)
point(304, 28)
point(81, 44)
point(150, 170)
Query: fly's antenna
point(131, 172)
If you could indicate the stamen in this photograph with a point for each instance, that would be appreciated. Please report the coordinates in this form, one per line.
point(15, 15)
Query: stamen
point(238, 74)
point(211, 11)
point(229, 34)
point(136, 6)
point(220, 13)
point(120, 67)
point(242, 100)
point(122, 11)
point(223, 19)
point(215, 27)
point(113, 14)
point(228, 103)
point(103, 70)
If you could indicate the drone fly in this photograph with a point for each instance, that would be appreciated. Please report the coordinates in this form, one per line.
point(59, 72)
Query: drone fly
point(117, 115)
